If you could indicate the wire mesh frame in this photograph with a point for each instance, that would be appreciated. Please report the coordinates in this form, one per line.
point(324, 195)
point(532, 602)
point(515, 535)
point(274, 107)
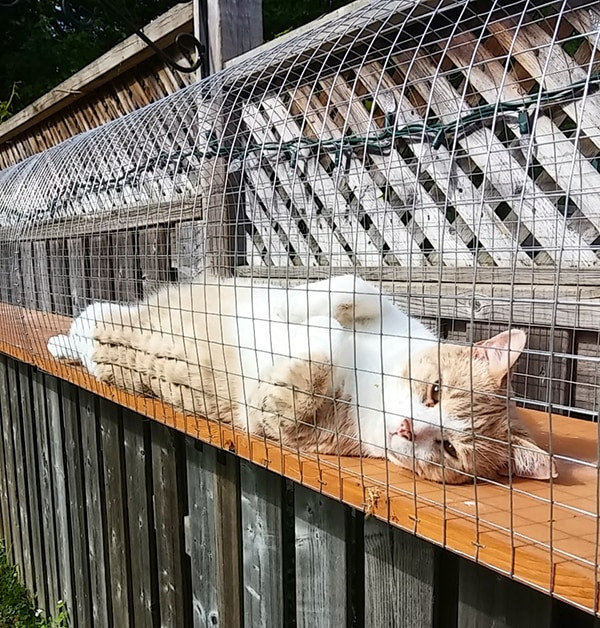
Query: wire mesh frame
point(119, 211)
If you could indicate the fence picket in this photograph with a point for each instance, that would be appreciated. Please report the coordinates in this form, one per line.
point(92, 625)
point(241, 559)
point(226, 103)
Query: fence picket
point(138, 477)
point(77, 515)
point(261, 493)
point(320, 549)
point(169, 526)
point(406, 564)
point(101, 605)
point(115, 504)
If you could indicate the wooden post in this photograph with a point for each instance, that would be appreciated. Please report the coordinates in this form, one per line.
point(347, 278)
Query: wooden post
point(233, 27)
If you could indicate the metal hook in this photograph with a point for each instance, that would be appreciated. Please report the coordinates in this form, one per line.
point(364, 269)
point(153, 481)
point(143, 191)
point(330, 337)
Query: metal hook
point(185, 42)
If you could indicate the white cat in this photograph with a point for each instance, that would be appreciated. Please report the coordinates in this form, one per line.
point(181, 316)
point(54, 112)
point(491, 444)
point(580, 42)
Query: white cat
point(331, 367)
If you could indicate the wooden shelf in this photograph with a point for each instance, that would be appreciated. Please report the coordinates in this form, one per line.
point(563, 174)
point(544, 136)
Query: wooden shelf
point(541, 533)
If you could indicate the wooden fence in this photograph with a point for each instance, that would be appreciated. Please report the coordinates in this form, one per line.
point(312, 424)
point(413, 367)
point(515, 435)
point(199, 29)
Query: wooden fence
point(134, 524)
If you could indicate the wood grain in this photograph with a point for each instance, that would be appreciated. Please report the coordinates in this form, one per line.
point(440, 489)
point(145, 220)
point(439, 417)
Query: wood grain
point(60, 491)
point(82, 604)
point(96, 519)
point(169, 524)
point(24, 505)
point(78, 285)
point(201, 533)
point(28, 275)
point(262, 540)
point(153, 242)
point(320, 549)
point(406, 565)
point(126, 266)
point(100, 265)
point(42, 275)
point(115, 503)
point(46, 490)
point(486, 598)
point(30, 428)
point(138, 477)
point(15, 543)
point(228, 549)
point(59, 277)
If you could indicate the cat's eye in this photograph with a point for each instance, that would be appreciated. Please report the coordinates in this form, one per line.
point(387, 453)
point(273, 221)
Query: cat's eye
point(433, 395)
point(449, 449)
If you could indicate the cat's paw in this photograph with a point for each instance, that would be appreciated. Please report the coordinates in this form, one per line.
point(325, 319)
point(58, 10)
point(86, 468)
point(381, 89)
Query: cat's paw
point(61, 347)
point(294, 390)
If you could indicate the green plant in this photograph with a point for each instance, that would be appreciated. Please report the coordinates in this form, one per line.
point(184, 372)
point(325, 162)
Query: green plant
point(5, 104)
point(17, 608)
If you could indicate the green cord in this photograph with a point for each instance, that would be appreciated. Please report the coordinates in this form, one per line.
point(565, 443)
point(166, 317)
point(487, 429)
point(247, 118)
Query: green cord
point(380, 142)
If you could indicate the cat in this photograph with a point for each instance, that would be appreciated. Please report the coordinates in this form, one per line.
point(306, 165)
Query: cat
point(331, 367)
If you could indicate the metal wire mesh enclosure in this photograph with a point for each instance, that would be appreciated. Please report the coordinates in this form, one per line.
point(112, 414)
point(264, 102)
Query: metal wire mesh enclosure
point(448, 152)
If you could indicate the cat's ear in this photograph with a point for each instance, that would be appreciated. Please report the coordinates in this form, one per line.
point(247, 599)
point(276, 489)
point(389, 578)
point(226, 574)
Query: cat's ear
point(502, 351)
point(530, 461)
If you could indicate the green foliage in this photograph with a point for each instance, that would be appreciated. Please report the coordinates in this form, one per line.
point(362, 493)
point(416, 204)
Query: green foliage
point(279, 16)
point(17, 609)
point(5, 105)
point(40, 46)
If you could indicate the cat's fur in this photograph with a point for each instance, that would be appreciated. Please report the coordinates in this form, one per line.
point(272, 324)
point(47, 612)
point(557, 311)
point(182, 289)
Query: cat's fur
point(330, 367)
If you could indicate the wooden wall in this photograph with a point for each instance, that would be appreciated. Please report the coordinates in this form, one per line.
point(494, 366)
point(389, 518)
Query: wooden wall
point(132, 523)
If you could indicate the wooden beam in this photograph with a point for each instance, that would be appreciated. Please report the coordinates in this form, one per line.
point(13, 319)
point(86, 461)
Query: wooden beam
point(130, 52)
point(234, 27)
point(549, 275)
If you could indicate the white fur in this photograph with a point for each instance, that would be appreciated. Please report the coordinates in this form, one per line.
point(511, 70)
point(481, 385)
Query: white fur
point(77, 345)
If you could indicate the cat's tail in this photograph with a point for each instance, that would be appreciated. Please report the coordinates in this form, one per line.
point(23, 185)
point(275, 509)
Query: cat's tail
point(61, 347)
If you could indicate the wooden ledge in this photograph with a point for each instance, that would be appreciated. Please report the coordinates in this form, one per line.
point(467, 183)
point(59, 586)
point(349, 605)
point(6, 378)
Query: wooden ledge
point(541, 533)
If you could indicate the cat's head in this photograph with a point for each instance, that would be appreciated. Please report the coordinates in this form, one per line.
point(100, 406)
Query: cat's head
point(452, 420)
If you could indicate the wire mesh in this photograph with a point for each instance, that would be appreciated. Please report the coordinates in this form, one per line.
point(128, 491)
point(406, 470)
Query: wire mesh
point(448, 154)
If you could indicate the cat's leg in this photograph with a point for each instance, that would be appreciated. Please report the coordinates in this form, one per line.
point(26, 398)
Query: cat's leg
point(77, 344)
point(60, 347)
point(347, 299)
point(286, 403)
point(118, 365)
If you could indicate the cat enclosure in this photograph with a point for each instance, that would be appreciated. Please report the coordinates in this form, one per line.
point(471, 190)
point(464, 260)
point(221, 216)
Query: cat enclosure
point(447, 151)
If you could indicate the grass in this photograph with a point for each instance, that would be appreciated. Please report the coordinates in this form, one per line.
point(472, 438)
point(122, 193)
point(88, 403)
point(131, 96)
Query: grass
point(17, 608)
